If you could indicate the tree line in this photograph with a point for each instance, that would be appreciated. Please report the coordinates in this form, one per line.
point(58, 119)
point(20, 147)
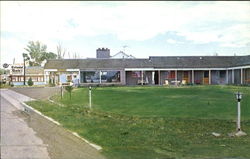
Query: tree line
point(37, 53)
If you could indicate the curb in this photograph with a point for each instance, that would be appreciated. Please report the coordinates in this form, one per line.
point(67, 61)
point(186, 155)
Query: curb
point(28, 109)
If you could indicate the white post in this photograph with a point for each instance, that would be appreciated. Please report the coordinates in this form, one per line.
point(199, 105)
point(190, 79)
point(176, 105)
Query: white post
point(79, 75)
point(238, 118)
point(241, 76)
point(61, 92)
point(100, 77)
point(227, 77)
point(141, 77)
point(90, 100)
point(153, 75)
point(209, 77)
point(232, 76)
point(192, 76)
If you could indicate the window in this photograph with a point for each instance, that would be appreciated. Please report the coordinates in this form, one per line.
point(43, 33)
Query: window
point(90, 76)
point(136, 74)
point(172, 74)
point(110, 76)
point(222, 74)
point(69, 78)
point(206, 74)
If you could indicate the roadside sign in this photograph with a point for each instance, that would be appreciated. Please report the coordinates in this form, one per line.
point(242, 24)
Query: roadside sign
point(5, 65)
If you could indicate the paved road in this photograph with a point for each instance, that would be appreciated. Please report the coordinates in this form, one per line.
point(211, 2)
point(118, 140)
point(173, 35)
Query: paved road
point(18, 140)
point(42, 133)
point(37, 92)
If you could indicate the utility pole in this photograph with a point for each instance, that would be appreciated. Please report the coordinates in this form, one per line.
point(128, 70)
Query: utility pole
point(25, 58)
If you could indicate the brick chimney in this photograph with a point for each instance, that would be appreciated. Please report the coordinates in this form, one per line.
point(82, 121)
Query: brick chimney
point(102, 53)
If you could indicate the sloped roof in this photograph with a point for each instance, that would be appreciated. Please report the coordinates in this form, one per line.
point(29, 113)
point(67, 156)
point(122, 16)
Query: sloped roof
point(152, 62)
point(97, 63)
point(34, 70)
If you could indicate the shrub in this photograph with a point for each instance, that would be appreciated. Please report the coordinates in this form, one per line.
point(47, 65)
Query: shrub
point(69, 89)
point(30, 82)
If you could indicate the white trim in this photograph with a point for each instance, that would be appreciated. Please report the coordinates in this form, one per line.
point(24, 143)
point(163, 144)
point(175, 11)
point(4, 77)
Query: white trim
point(139, 69)
point(72, 70)
point(188, 69)
point(50, 70)
point(239, 67)
point(168, 69)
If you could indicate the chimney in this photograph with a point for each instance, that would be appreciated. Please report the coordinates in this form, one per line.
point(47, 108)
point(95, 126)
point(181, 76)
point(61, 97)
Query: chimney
point(102, 53)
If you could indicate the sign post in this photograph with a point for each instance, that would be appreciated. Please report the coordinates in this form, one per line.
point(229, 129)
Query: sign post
point(61, 92)
point(90, 100)
point(238, 128)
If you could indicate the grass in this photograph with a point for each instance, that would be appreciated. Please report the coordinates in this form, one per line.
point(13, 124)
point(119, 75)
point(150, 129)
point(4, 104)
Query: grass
point(156, 122)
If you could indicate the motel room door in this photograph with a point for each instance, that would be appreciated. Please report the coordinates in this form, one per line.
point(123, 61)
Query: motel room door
point(156, 77)
point(185, 76)
point(206, 77)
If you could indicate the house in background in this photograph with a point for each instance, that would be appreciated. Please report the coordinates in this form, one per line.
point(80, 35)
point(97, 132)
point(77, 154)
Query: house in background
point(122, 55)
point(104, 53)
point(155, 70)
point(16, 76)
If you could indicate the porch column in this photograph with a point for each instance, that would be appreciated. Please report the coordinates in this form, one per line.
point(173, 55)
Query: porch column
point(153, 75)
point(232, 76)
point(209, 72)
point(241, 76)
point(227, 77)
point(175, 77)
point(100, 76)
point(159, 76)
point(79, 80)
point(192, 76)
point(141, 77)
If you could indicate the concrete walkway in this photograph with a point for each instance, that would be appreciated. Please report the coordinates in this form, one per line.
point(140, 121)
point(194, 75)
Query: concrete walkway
point(39, 137)
point(18, 140)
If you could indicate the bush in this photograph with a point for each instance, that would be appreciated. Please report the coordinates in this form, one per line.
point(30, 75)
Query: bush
point(69, 89)
point(30, 82)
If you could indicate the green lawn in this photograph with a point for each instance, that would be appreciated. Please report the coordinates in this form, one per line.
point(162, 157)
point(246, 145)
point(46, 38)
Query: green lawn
point(157, 122)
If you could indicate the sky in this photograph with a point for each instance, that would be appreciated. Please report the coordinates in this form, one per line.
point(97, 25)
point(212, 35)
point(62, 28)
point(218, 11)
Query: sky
point(147, 28)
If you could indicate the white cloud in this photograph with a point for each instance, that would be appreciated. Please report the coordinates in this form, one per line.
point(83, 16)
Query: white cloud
point(171, 41)
point(224, 22)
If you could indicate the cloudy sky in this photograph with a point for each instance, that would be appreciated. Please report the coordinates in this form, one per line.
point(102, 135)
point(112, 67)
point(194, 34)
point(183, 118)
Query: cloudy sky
point(147, 28)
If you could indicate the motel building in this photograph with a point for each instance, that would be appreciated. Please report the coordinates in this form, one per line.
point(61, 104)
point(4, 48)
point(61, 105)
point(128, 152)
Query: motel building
point(16, 75)
point(155, 70)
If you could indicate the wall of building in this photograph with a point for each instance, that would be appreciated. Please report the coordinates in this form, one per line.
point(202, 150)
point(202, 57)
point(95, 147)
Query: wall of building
point(247, 76)
point(198, 77)
point(237, 76)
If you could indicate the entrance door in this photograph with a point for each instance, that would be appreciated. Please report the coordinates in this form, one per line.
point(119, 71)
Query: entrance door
point(185, 76)
point(206, 77)
point(156, 77)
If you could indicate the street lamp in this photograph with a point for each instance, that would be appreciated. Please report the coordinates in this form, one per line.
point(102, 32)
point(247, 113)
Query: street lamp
point(25, 58)
point(238, 96)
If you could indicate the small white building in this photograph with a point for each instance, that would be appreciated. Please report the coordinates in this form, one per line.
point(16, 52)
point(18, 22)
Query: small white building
point(122, 55)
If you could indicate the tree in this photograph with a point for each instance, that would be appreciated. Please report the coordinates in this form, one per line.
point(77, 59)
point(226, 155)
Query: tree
point(60, 51)
point(49, 56)
point(69, 89)
point(30, 82)
point(38, 53)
